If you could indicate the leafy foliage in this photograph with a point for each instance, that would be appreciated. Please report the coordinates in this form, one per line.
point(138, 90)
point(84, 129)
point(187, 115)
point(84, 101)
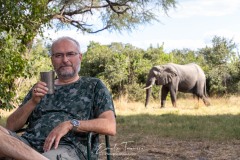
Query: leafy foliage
point(19, 25)
point(22, 20)
point(12, 67)
point(116, 64)
point(15, 70)
point(95, 16)
point(38, 60)
point(124, 68)
point(221, 60)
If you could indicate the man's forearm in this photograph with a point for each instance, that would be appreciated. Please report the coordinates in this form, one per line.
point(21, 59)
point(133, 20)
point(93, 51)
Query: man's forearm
point(19, 117)
point(104, 124)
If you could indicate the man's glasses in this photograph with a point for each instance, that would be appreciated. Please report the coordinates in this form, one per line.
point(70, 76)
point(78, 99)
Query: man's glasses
point(69, 55)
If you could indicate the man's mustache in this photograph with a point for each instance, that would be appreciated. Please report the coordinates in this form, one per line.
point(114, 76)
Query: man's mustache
point(65, 66)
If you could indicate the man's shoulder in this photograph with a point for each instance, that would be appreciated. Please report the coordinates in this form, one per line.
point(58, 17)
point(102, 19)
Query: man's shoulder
point(90, 79)
point(92, 82)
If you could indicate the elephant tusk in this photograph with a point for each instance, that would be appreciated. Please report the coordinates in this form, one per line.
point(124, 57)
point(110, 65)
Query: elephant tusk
point(148, 87)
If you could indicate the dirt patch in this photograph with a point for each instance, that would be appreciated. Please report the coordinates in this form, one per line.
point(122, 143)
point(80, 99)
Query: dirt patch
point(169, 149)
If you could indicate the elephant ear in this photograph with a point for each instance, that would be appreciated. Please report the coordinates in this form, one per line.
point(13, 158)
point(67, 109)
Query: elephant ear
point(169, 73)
point(157, 70)
point(170, 70)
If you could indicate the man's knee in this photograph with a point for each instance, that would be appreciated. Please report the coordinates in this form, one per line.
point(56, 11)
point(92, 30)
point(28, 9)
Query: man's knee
point(62, 153)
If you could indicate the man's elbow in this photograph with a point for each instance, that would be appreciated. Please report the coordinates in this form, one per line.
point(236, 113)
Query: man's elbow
point(112, 130)
point(9, 125)
point(12, 124)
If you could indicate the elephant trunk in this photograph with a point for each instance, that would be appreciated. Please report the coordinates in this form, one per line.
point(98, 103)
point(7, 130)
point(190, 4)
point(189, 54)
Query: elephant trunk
point(148, 93)
point(148, 88)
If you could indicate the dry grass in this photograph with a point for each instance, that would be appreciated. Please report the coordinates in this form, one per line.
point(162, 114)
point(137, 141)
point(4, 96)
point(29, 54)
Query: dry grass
point(191, 106)
point(4, 113)
point(190, 131)
point(190, 120)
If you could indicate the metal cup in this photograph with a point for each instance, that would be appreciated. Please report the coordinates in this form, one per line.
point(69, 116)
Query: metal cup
point(48, 78)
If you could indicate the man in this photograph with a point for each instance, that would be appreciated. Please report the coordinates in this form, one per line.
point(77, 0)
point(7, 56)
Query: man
point(57, 122)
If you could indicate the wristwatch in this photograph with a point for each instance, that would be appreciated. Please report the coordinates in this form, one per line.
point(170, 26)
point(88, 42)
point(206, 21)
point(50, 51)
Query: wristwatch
point(75, 124)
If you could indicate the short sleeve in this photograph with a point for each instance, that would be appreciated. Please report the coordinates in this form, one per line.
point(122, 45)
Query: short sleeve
point(26, 98)
point(102, 99)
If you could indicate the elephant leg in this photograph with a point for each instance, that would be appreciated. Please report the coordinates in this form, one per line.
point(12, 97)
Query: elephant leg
point(204, 98)
point(201, 92)
point(173, 94)
point(165, 91)
point(205, 101)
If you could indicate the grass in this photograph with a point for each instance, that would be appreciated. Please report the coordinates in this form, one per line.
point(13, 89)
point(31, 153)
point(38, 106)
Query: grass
point(190, 131)
point(190, 120)
point(221, 127)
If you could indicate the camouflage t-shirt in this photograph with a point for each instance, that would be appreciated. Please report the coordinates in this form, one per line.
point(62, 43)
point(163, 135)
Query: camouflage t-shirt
point(85, 99)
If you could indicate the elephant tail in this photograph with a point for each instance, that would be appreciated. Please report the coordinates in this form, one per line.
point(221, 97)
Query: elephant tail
point(205, 97)
point(205, 90)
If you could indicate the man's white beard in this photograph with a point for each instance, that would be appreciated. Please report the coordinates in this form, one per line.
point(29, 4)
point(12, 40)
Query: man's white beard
point(68, 74)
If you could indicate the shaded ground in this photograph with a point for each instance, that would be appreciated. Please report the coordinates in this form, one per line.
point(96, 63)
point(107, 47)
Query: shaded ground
point(169, 149)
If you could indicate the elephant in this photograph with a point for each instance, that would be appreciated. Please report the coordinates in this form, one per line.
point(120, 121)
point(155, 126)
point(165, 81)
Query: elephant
point(188, 78)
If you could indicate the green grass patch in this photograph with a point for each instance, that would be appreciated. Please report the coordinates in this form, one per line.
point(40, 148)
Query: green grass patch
point(183, 127)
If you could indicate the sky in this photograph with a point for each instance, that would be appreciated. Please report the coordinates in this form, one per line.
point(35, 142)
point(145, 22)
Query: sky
point(192, 24)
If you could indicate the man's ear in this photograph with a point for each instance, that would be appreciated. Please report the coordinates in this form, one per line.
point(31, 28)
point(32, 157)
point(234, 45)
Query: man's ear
point(80, 56)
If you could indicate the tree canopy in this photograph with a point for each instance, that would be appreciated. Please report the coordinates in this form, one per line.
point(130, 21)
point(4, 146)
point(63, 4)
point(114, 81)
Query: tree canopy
point(93, 15)
point(125, 68)
point(27, 18)
point(22, 20)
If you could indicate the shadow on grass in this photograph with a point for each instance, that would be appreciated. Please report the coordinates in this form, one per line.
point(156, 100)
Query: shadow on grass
point(183, 127)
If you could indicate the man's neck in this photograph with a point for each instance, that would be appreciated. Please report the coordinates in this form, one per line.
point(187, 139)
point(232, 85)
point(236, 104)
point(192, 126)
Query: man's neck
point(60, 81)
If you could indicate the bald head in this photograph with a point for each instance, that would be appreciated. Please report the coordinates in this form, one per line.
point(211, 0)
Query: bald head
point(64, 39)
